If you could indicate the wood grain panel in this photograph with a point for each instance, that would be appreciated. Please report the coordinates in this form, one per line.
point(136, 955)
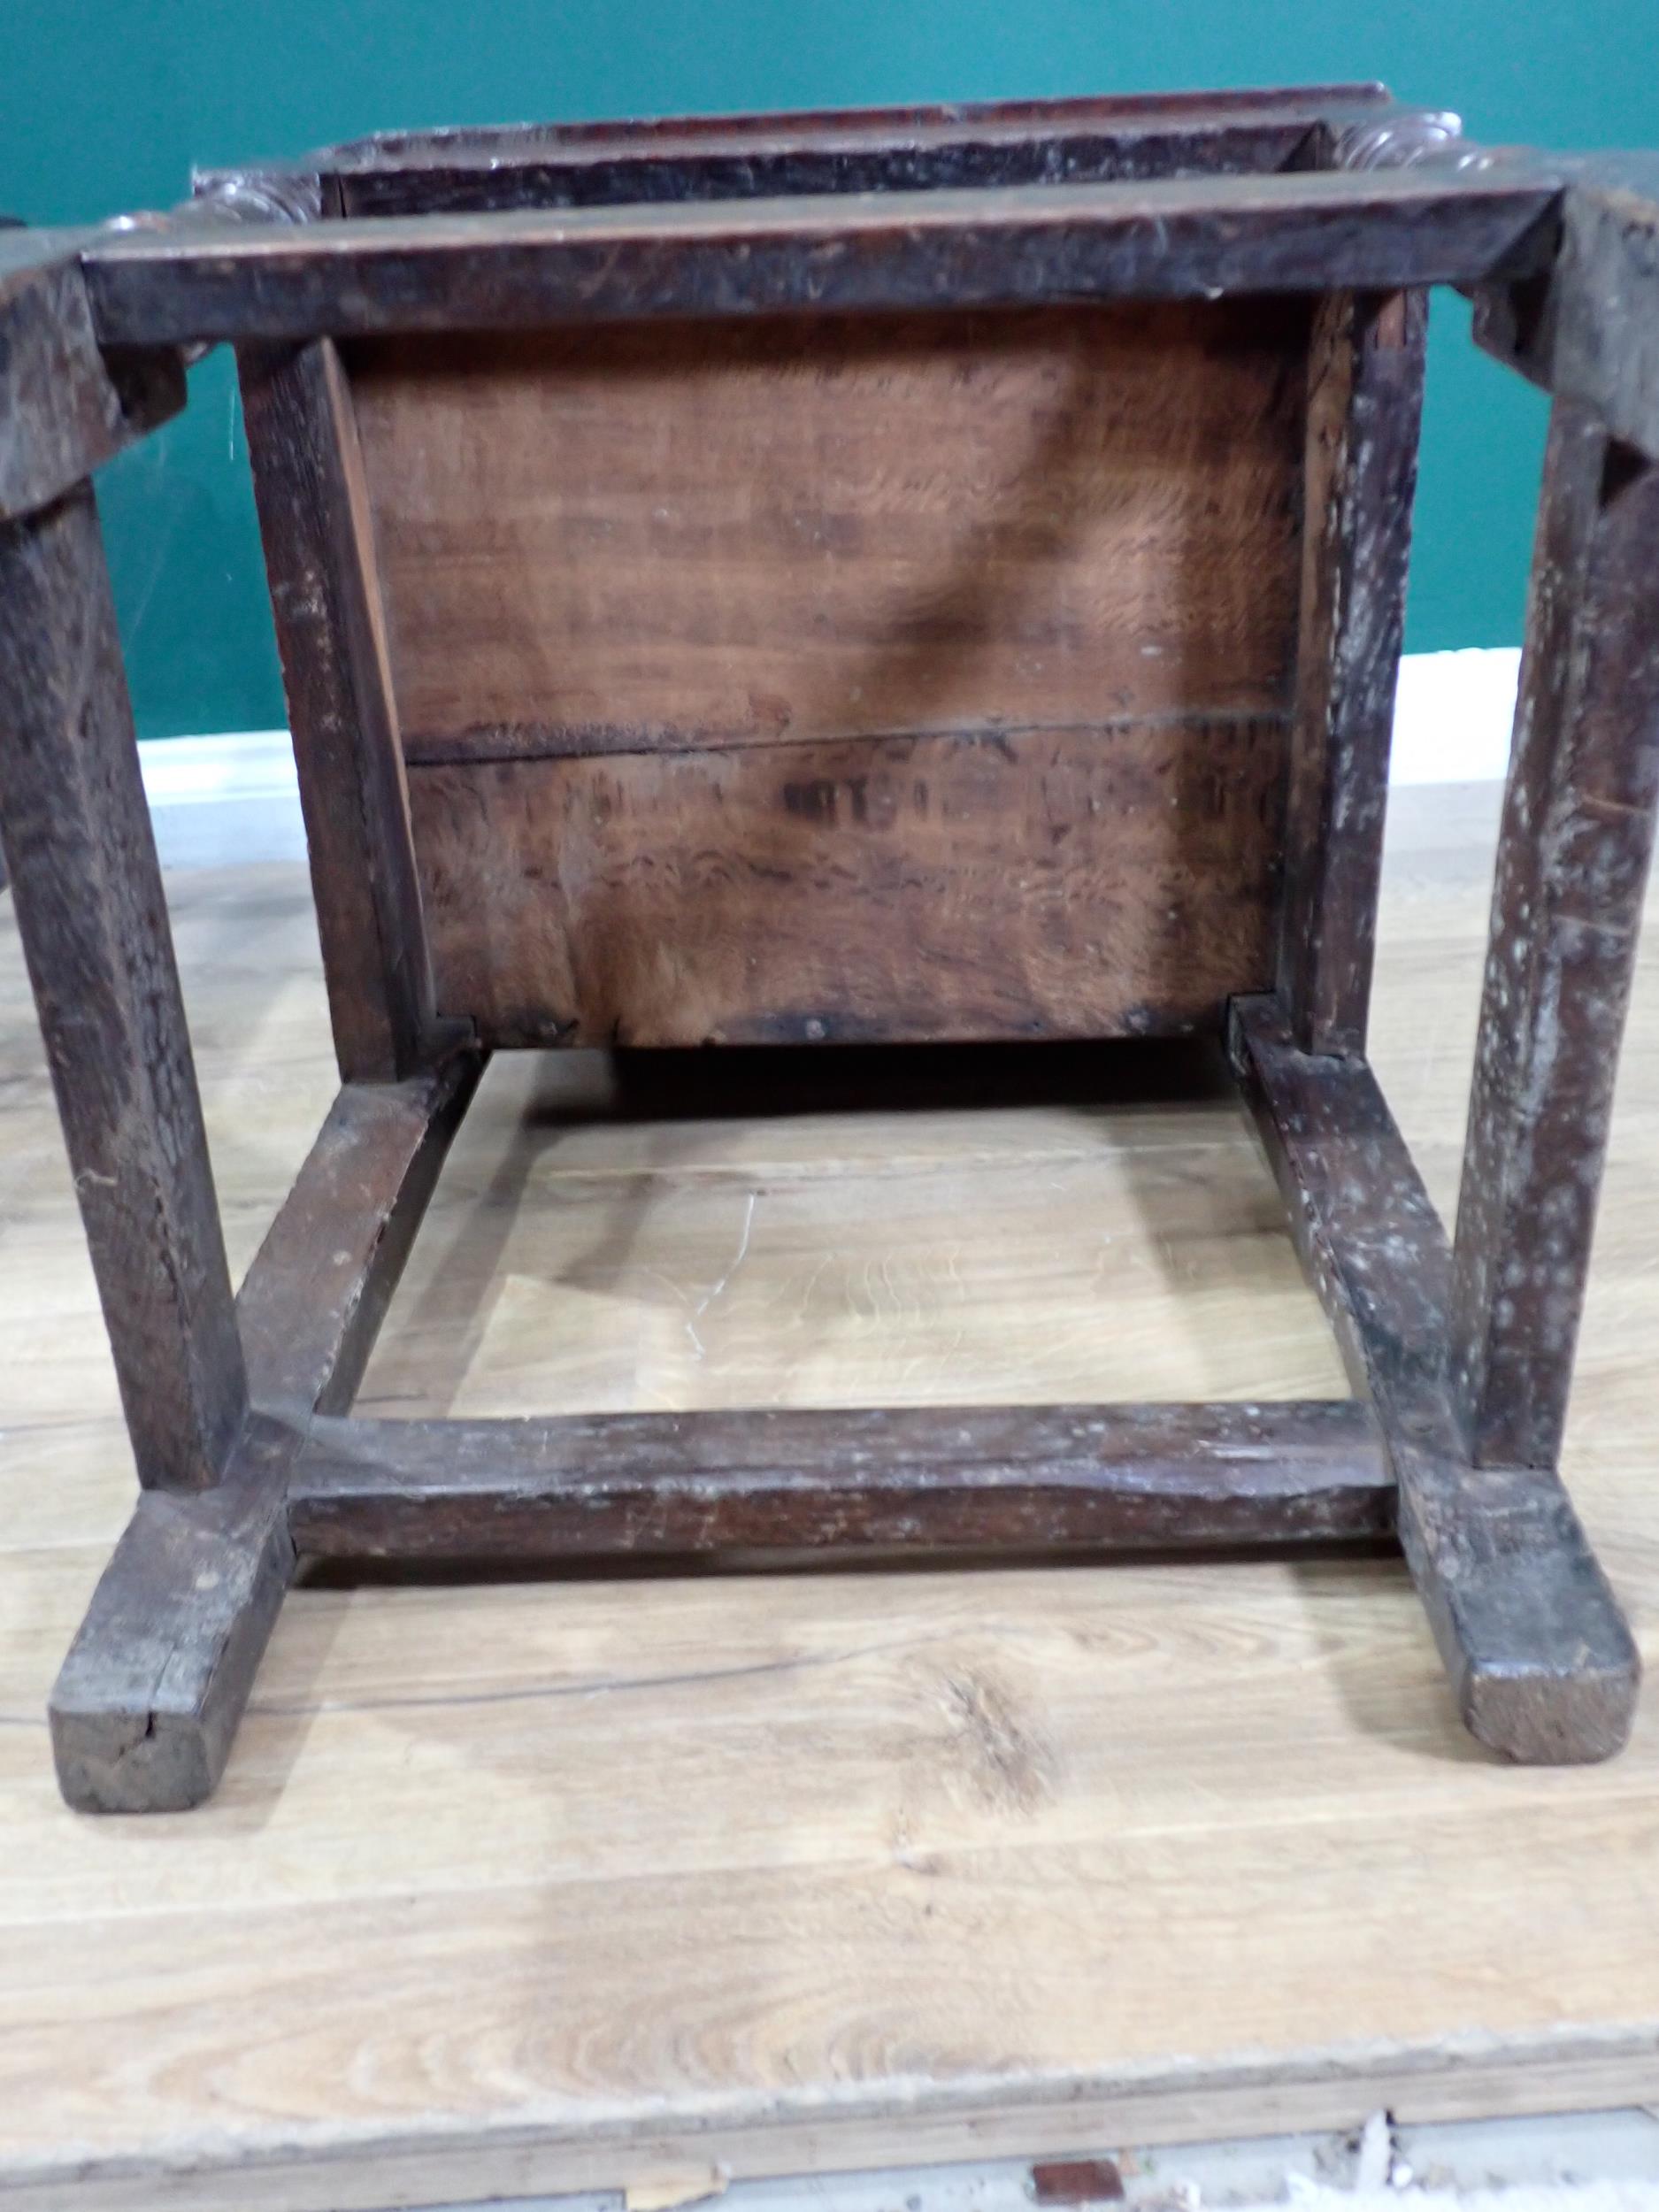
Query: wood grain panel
point(807, 528)
point(1072, 883)
point(816, 562)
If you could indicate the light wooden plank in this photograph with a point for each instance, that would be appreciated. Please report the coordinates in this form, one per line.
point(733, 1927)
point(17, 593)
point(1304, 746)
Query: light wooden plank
point(542, 1885)
point(1032, 1255)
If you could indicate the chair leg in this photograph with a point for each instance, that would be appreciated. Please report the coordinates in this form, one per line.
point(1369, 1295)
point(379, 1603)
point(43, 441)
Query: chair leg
point(1572, 867)
point(1541, 1663)
point(1364, 400)
point(92, 919)
point(154, 1683)
point(148, 1699)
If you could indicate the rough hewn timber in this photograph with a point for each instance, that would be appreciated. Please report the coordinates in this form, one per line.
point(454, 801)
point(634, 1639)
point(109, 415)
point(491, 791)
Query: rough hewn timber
point(1586, 324)
point(92, 919)
point(325, 593)
point(320, 1283)
point(1365, 397)
point(970, 1478)
point(1541, 1663)
point(148, 1699)
point(66, 406)
point(1572, 866)
point(1181, 238)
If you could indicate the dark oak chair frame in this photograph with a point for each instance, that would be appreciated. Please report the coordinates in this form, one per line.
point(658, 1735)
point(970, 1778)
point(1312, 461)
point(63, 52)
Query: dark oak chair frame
point(1460, 1350)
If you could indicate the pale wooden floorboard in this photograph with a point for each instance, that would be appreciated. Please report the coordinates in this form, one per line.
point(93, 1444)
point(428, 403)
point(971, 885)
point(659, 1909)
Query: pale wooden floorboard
point(531, 1885)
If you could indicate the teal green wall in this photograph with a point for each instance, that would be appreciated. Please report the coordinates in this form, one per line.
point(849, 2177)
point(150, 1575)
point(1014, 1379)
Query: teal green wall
point(105, 106)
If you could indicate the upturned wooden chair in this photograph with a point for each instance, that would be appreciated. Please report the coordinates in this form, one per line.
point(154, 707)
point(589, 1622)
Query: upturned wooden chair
point(919, 575)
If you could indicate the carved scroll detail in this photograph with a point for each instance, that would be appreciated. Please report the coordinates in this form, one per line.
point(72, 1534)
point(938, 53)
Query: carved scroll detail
point(260, 195)
point(1408, 138)
point(235, 195)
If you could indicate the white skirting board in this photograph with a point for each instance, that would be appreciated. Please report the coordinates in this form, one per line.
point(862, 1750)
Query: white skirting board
point(233, 797)
point(1452, 715)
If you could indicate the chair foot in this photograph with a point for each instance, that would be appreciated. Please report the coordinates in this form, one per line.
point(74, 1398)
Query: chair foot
point(147, 1702)
point(1550, 1720)
point(1544, 1668)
